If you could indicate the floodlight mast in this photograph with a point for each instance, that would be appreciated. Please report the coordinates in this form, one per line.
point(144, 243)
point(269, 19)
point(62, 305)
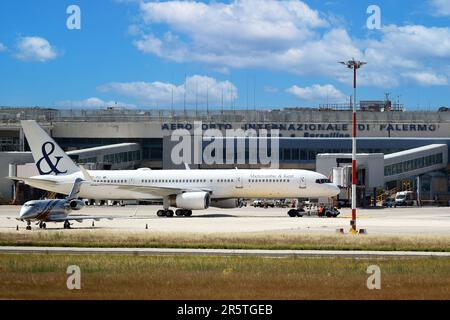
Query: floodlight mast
point(355, 65)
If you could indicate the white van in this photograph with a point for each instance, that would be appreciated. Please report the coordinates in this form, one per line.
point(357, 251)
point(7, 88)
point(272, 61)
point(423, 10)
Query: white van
point(405, 198)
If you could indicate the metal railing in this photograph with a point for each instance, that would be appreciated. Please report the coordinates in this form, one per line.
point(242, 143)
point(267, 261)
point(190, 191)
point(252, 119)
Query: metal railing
point(10, 117)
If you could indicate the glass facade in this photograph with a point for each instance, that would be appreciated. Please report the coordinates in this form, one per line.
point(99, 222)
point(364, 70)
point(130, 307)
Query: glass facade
point(152, 148)
point(9, 143)
point(414, 164)
point(121, 157)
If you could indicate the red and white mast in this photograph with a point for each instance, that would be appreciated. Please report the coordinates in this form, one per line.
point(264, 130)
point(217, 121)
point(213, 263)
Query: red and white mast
point(355, 65)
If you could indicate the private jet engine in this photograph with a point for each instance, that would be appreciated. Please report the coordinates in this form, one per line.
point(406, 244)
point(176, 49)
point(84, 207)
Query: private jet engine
point(75, 205)
point(191, 200)
point(224, 203)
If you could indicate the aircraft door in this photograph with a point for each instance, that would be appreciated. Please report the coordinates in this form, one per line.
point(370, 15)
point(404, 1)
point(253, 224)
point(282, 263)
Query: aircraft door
point(239, 183)
point(302, 182)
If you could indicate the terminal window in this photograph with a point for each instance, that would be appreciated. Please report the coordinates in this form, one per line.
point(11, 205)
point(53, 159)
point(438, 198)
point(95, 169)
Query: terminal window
point(414, 164)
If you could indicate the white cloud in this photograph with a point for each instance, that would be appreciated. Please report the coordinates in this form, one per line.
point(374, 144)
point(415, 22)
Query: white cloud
point(287, 36)
point(198, 89)
point(92, 102)
point(440, 7)
point(317, 93)
point(427, 78)
point(241, 33)
point(35, 49)
point(2, 47)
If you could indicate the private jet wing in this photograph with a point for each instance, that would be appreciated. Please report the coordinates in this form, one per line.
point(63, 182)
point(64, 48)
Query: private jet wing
point(80, 218)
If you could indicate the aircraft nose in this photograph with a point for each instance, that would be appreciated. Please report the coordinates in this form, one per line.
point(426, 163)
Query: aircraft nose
point(334, 190)
point(25, 213)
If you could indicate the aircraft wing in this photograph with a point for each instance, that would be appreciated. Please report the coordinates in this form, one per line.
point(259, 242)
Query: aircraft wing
point(158, 191)
point(80, 218)
point(153, 190)
point(41, 182)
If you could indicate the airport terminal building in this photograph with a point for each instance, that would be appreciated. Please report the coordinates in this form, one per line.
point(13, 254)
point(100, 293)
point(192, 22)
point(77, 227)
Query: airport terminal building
point(409, 144)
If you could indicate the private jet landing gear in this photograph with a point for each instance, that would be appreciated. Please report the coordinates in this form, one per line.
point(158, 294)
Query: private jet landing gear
point(296, 213)
point(42, 225)
point(183, 212)
point(66, 224)
point(28, 225)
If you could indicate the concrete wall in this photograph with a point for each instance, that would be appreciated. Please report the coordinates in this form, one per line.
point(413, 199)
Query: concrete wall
point(5, 159)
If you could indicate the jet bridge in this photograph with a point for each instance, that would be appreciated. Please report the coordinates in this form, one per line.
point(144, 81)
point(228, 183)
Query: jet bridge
point(375, 170)
point(415, 162)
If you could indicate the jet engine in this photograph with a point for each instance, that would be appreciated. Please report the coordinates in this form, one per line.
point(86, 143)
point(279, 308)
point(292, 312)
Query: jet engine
point(76, 204)
point(191, 200)
point(224, 203)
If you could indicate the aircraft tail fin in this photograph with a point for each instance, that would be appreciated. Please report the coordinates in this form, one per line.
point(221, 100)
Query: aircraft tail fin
point(48, 156)
point(75, 189)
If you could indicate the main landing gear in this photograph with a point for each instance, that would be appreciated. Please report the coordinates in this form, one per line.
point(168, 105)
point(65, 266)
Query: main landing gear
point(296, 213)
point(183, 212)
point(42, 225)
point(66, 224)
point(170, 213)
point(164, 213)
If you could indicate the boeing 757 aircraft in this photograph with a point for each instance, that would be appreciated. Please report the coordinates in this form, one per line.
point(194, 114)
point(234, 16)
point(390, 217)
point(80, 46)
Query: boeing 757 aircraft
point(185, 190)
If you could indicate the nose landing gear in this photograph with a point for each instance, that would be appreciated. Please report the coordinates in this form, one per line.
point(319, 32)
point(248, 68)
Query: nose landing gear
point(66, 224)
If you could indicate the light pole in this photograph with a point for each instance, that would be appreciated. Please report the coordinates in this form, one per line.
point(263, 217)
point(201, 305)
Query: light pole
point(355, 65)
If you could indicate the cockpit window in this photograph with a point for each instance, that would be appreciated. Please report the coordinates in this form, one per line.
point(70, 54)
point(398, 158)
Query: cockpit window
point(30, 204)
point(321, 181)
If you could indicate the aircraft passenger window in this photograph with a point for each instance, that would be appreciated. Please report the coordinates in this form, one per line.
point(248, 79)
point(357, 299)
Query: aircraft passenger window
point(321, 181)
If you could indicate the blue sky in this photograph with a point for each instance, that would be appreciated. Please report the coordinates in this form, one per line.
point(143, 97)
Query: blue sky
point(243, 52)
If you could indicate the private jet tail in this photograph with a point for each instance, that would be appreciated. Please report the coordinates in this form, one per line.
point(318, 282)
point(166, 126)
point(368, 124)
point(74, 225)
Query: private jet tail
point(75, 189)
point(48, 156)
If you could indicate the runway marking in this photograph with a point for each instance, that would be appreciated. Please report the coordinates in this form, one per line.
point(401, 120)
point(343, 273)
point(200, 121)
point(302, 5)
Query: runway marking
point(225, 252)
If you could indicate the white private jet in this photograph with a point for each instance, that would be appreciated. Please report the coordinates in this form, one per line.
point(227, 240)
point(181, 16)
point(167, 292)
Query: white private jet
point(54, 210)
point(185, 190)
point(59, 210)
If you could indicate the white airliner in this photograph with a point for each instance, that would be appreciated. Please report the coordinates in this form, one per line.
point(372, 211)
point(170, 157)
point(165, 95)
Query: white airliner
point(186, 190)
